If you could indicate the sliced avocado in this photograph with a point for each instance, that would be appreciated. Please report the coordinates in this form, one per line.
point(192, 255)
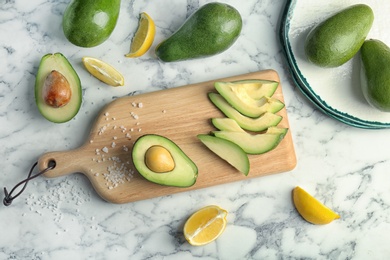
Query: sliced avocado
point(226, 124)
point(257, 88)
point(228, 151)
point(277, 130)
point(55, 74)
point(261, 123)
point(244, 103)
point(252, 144)
point(183, 172)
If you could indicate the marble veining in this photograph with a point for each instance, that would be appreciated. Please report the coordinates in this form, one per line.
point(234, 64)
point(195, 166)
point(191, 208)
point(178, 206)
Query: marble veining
point(63, 218)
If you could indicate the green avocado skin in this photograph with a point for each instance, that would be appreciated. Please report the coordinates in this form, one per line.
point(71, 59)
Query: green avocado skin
point(337, 39)
point(88, 23)
point(212, 29)
point(375, 74)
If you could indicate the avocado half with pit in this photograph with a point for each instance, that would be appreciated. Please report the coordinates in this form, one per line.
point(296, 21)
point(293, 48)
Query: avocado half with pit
point(160, 160)
point(58, 92)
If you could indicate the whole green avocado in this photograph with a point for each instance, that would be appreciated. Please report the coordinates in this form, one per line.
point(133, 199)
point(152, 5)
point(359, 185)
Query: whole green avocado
point(337, 39)
point(88, 23)
point(212, 29)
point(375, 74)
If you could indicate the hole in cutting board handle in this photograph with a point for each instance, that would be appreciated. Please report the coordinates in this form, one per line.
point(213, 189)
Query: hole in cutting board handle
point(51, 163)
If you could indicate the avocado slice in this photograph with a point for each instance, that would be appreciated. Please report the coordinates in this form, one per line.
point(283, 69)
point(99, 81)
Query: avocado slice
point(277, 130)
point(228, 151)
point(256, 88)
point(253, 144)
point(55, 68)
point(183, 173)
point(240, 99)
point(226, 124)
point(261, 123)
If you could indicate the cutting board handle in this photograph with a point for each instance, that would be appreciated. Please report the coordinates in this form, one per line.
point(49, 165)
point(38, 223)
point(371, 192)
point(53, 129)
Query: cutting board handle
point(66, 162)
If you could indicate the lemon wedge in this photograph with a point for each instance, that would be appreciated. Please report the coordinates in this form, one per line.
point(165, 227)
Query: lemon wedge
point(143, 37)
point(205, 225)
point(311, 209)
point(103, 71)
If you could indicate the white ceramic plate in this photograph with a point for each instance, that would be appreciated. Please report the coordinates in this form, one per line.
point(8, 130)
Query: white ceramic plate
point(336, 90)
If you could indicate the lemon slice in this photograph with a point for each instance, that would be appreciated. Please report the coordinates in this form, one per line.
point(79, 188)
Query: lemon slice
point(103, 71)
point(205, 225)
point(311, 209)
point(143, 38)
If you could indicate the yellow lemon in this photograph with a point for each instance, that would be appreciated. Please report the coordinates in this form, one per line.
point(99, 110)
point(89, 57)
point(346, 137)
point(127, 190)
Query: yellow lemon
point(205, 225)
point(311, 209)
point(143, 38)
point(103, 71)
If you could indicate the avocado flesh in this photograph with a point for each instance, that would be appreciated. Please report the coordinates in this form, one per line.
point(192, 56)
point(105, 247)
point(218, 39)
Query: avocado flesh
point(277, 130)
point(257, 88)
point(375, 74)
point(226, 124)
point(58, 62)
point(252, 143)
point(210, 30)
point(240, 99)
point(260, 123)
point(88, 23)
point(228, 151)
point(337, 39)
point(184, 173)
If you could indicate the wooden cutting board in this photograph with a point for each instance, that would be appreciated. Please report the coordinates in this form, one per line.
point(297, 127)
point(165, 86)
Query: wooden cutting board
point(180, 114)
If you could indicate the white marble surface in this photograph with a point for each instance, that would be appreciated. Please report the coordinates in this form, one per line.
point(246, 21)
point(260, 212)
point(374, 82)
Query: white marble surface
point(344, 167)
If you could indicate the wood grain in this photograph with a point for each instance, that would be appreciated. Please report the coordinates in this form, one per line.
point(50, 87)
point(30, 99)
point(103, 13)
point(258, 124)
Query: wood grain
point(180, 114)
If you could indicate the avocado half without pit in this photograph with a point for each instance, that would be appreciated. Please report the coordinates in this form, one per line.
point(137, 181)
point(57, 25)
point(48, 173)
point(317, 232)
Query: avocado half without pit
point(57, 89)
point(161, 161)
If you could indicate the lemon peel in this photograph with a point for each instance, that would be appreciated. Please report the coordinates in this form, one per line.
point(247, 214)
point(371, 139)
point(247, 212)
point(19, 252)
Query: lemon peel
point(205, 225)
point(143, 37)
point(103, 71)
point(311, 209)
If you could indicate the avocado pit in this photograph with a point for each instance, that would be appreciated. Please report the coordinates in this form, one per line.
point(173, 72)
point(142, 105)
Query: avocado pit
point(158, 159)
point(56, 90)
